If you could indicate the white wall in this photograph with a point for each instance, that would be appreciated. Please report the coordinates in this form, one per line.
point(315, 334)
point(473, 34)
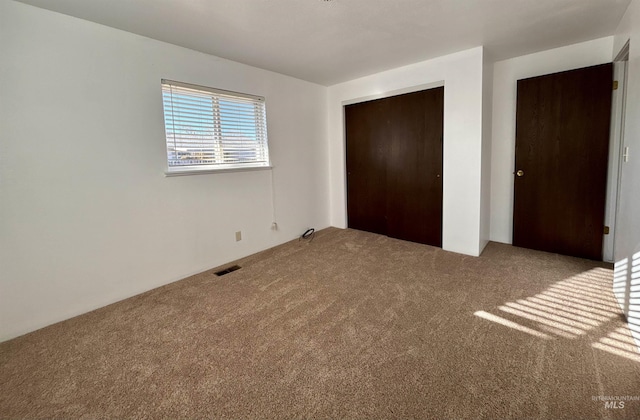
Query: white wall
point(87, 216)
point(487, 112)
point(506, 74)
point(627, 241)
point(461, 75)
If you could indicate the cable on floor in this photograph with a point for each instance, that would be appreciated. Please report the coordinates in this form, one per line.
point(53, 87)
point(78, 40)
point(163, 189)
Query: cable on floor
point(308, 235)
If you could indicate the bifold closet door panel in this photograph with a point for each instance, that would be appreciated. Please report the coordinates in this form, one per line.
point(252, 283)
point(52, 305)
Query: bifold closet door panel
point(367, 134)
point(414, 167)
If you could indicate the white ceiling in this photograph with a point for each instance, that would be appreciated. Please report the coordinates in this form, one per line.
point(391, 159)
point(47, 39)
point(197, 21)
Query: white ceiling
point(328, 42)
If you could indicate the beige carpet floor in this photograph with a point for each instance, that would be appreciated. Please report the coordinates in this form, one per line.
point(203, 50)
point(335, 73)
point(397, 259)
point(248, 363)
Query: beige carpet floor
point(350, 325)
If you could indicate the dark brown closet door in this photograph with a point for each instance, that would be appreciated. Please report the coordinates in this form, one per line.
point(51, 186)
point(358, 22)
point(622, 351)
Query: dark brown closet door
point(562, 147)
point(367, 137)
point(394, 166)
point(414, 167)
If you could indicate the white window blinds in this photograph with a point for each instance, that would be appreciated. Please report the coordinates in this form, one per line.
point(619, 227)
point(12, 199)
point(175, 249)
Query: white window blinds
point(209, 129)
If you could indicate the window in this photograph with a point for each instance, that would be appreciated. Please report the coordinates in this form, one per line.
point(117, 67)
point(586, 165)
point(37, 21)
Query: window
point(210, 129)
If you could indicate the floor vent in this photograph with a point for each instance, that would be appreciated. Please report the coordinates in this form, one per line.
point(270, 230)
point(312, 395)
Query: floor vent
point(228, 270)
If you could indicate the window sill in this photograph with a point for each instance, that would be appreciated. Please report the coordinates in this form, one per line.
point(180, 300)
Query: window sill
point(215, 171)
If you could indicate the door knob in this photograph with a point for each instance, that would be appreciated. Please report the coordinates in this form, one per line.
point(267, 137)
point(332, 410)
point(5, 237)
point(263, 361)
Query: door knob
point(520, 172)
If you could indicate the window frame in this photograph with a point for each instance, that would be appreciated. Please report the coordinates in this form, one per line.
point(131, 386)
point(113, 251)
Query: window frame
point(216, 94)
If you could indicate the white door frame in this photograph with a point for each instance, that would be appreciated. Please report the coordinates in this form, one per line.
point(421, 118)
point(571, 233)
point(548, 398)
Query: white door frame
point(615, 150)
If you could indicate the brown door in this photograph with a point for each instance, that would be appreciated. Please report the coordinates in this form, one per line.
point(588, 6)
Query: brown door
point(414, 167)
point(562, 146)
point(367, 136)
point(394, 166)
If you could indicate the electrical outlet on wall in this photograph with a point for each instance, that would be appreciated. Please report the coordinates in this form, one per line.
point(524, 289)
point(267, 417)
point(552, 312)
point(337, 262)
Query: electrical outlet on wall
point(238, 235)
